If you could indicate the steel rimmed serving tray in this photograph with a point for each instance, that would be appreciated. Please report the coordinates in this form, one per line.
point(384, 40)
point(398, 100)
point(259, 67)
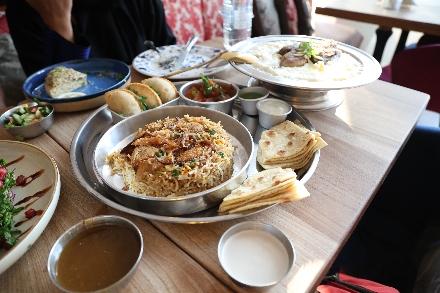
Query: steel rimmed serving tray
point(96, 125)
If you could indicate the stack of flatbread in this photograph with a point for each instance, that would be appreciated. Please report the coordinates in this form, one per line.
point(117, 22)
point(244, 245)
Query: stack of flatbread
point(265, 188)
point(288, 145)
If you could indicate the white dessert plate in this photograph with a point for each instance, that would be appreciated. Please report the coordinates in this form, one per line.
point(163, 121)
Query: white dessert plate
point(148, 62)
point(41, 193)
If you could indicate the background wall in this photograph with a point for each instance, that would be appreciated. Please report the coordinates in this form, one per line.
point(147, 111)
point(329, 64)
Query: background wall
point(369, 33)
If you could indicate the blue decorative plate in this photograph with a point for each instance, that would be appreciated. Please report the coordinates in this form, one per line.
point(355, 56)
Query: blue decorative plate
point(102, 75)
point(148, 62)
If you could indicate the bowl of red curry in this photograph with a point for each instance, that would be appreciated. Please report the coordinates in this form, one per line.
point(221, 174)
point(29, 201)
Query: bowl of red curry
point(215, 94)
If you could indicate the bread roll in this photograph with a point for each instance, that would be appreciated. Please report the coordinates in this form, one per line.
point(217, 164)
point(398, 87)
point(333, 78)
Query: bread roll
point(165, 88)
point(145, 95)
point(123, 102)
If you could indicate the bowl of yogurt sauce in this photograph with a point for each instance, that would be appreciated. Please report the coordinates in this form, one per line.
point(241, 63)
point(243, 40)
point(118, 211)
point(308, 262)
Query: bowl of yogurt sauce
point(256, 254)
point(272, 112)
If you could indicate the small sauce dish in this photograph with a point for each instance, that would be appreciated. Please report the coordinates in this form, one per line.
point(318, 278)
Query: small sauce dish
point(250, 96)
point(256, 254)
point(99, 254)
point(272, 112)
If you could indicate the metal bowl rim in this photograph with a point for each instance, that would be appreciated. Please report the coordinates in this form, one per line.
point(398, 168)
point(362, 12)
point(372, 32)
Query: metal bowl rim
point(188, 196)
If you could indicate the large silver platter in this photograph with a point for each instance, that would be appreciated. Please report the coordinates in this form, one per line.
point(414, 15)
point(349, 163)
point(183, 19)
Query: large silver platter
point(371, 68)
point(98, 123)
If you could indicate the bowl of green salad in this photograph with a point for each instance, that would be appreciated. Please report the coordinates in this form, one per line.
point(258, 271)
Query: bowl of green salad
point(28, 120)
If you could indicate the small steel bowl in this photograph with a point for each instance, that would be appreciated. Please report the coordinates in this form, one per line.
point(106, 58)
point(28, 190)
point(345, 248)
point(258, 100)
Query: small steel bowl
point(249, 106)
point(222, 106)
point(274, 114)
point(256, 254)
point(66, 237)
point(31, 130)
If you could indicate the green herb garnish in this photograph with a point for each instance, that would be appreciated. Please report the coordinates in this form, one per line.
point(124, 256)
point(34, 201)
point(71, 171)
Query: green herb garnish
point(19, 137)
point(7, 209)
point(175, 172)
point(208, 87)
point(132, 90)
point(307, 49)
point(221, 154)
point(211, 131)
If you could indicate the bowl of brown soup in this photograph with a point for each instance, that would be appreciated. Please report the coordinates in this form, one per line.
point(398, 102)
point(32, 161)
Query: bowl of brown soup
point(99, 254)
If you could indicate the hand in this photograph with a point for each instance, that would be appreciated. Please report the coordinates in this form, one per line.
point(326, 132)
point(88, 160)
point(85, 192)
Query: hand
point(56, 14)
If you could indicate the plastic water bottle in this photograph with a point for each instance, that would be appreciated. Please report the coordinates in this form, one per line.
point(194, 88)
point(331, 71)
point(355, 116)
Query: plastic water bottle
point(237, 21)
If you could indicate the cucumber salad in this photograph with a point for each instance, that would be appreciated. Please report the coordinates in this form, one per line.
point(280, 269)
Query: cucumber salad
point(26, 116)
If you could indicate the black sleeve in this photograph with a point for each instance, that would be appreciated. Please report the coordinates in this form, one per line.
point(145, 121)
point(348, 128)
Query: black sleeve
point(27, 32)
point(115, 29)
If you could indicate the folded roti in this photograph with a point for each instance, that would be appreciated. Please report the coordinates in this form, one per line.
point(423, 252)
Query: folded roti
point(300, 193)
point(284, 140)
point(288, 144)
point(291, 192)
point(264, 188)
point(261, 182)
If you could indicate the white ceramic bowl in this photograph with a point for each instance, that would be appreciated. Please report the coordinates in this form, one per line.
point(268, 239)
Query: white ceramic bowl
point(256, 254)
point(27, 160)
point(272, 112)
point(249, 105)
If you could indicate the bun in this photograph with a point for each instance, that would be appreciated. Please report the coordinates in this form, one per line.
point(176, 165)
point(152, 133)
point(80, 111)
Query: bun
point(146, 96)
point(166, 89)
point(123, 102)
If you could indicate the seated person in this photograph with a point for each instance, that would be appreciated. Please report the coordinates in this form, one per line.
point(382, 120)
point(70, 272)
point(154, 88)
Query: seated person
point(402, 224)
point(47, 32)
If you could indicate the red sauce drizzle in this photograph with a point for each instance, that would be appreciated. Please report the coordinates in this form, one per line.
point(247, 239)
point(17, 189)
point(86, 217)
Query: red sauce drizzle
point(31, 178)
point(18, 224)
point(37, 194)
point(15, 161)
point(21, 234)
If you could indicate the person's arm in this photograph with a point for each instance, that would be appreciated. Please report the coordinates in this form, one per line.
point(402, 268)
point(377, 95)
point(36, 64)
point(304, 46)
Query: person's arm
point(56, 15)
point(42, 42)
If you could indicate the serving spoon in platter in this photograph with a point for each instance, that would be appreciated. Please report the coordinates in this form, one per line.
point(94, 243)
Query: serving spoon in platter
point(233, 56)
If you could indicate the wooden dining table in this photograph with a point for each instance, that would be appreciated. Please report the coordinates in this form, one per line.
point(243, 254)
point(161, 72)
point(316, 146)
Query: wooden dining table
point(365, 135)
point(423, 17)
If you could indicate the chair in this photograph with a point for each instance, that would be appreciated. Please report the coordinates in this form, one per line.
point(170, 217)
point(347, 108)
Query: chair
point(417, 69)
point(296, 17)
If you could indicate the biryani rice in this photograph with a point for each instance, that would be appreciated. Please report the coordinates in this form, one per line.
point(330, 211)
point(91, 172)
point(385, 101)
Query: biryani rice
point(211, 169)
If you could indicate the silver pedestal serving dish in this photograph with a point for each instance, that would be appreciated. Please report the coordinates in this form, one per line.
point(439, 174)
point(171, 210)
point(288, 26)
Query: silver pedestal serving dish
point(303, 95)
